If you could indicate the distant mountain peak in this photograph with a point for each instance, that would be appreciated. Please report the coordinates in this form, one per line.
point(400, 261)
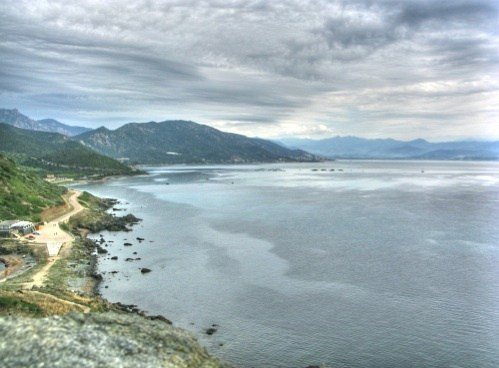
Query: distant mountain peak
point(17, 119)
point(362, 148)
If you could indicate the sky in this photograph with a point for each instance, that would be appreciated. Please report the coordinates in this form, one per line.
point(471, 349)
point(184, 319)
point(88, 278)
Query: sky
point(280, 68)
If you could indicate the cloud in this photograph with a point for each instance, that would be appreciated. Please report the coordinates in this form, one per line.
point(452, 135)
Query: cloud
point(264, 68)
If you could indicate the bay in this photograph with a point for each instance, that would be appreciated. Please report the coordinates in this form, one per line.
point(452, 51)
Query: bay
point(347, 263)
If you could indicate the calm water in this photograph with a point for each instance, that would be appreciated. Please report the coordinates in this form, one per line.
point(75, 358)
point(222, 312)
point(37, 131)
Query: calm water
point(377, 265)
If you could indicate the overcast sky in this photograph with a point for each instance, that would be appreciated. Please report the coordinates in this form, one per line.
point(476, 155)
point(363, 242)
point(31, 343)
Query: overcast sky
point(262, 68)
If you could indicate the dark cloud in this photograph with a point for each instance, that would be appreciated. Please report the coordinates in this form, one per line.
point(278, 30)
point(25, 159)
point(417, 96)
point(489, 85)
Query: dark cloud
point(256, 67)
point(441, 13)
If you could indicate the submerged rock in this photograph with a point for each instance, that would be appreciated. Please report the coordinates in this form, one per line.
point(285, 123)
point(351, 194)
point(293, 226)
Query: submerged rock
point(159, 318)
point(99, 340)
point(101, 250)
point(145, 270)
point(210, 331)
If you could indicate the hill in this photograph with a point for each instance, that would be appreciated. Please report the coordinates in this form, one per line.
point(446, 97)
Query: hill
point(15, 118)
point(23, 194)
point(361, 148)
point(57, 154)
point(171, 142)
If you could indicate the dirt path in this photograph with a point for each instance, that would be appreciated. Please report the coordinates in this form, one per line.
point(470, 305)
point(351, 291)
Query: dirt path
point(83, 308)
point(51, 232)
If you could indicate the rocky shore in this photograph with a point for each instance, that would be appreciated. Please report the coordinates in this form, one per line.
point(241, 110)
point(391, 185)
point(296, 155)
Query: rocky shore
point(106, 334)
point(99, 340)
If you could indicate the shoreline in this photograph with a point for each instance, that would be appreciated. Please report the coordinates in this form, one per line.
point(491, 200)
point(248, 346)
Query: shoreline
point(96, 276)
point(63, 292)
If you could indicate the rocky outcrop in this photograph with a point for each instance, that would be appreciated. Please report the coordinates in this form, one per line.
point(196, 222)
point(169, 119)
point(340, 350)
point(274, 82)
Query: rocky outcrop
point(99, 340)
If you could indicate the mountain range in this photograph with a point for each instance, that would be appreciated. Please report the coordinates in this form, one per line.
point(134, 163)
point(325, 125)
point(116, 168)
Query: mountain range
point(361, 148)
point(186, 142)
point(15, 118)
point(56, 153)
point(172, 142)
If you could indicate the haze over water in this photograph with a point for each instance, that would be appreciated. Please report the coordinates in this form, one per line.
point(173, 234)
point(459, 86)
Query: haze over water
point(382, 264)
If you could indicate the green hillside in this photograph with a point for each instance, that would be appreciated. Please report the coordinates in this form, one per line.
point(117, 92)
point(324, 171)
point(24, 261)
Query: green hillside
point(56, 154)
point(172, 142)
point(23, 194)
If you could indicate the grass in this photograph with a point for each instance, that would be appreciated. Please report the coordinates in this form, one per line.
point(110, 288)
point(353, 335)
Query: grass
point(17, 282)
point(94, 203)
point(33, 304)
point(52, 213)
point(14, 305)
point(24, 194)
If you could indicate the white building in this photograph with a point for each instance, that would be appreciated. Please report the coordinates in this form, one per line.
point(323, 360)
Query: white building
point(23, 227)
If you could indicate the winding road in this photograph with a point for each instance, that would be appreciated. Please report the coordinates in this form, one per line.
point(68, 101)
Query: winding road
point(52, 232)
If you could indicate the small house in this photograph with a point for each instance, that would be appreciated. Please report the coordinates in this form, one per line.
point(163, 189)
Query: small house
point(5, 228)
point(23, 227)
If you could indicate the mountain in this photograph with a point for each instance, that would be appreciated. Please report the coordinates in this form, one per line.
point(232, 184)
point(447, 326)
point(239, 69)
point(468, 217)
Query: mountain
point(171, 142)
point(23, 194)
point(361, 148)
point(57, 154)
point(15, 118)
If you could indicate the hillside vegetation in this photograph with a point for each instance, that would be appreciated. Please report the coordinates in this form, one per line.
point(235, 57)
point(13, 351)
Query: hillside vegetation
point(23, 194)
point(56, 154)
point(172, 142)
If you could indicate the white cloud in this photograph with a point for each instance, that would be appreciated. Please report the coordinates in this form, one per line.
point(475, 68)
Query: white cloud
point(267, 68)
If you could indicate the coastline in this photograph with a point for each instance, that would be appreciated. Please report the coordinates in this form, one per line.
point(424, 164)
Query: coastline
point(69, 293)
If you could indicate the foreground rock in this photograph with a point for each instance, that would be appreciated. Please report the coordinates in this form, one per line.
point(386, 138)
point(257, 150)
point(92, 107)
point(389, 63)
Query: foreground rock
point(98, 340)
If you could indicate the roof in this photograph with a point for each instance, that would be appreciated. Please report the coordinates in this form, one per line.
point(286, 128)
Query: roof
point(8, 222)
point(22, 224)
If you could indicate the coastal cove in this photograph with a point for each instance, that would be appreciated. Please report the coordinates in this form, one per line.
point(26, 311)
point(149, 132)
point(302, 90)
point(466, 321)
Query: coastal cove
point(348, 263)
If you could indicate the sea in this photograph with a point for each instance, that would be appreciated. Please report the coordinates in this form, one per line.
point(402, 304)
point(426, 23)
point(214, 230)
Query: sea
point(337, 264)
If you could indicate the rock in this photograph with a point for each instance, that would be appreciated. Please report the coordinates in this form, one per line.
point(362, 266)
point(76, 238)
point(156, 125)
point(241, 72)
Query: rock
point(99, 340)
point(140, 239)
point(128, 259)
point(210, 331)
point(97, 276)
point(159, 318)
point(101, 250)
point(114, 258)
point(127, 244)
point(134, 252)
point(145, 270)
